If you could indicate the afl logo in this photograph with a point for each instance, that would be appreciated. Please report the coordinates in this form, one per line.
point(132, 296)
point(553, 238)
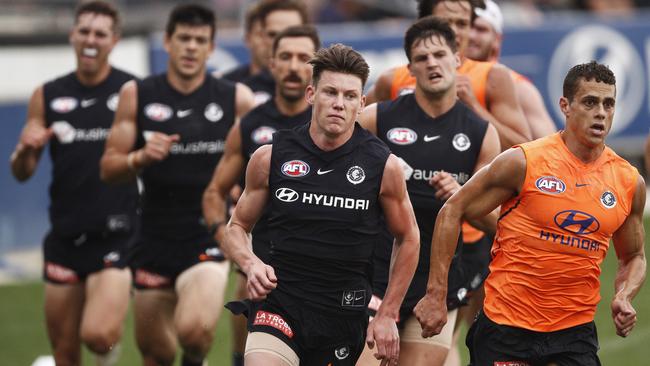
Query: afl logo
point(63, 104)
point(461, 142)
point(576, 222)
point(158, 112)
point(213, 112)
point(263, 135)
point(286, 194)
point(608, 199)
point(295, 168)
point(355, 175)
point(111, 102)
point(549, 184)
point(608, 46)
point(401, 136)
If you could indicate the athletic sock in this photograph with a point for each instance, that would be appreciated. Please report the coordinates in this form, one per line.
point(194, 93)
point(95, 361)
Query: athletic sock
point(188, 362)
point(237, 359)
point(111, 357)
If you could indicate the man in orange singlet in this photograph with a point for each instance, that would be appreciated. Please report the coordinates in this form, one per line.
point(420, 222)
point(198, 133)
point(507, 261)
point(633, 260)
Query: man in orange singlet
point(562, 197)
point(485, 45)
point(486, 87)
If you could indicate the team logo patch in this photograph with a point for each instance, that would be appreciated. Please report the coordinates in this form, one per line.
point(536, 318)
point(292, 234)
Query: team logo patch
point(354, 298)
point(111, 258)
point(111, 102)
point(63, 104)
point(63, 131)
point(355, 175)
point(461, 142)
point(550, 184)
point(273, 320)
point(576, 222)
point(263, 135)
point(342, 353)
point(401, 136)
point(158, 112)
point(608, 199)
point(286, 194)
point(213, 112)
point(295, 168)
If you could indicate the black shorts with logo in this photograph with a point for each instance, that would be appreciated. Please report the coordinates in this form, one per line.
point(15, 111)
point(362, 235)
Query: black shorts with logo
point(72, 259)
point(317, 337)
point(500, 345)
point(156, 263)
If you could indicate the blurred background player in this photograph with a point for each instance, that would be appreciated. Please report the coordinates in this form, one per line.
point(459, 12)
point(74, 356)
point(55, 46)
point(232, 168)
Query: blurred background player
point(444, 143)
point(171, 129)
point(485, 45)
point(292, 48)
point(92, 224)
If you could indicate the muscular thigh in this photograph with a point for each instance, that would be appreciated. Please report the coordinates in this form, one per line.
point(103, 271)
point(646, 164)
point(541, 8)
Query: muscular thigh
point(154, 312)
point(416, 350)
point(63, 309)
point(107, 298)
point(200, 290)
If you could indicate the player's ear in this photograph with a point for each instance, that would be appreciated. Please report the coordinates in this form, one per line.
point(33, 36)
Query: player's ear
point(310, 93)
point(564, 106)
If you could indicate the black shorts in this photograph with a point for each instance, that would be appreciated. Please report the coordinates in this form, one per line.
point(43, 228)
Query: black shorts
point(500, 345)
point(317, 337)
point(156, 263)
point(73, 259)
point(476, 260)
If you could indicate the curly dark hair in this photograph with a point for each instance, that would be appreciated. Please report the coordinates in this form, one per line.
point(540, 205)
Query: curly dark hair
point(339, 58)
point(192, 15)
point(588, 71)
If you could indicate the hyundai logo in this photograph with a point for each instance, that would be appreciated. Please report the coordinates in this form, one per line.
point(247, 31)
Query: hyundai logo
point(576, 222)
point(286, 194)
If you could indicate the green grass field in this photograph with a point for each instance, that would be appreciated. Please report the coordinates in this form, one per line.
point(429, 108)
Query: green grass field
point(23, 338)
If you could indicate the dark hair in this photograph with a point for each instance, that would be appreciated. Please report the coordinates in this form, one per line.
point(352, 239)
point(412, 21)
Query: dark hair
point(588, 71)
point(193, 15)
point(267, 7)
point(99, 7)
point(425, 7)
point(339, 58)
point(426, 28)
point(298, 31)
point(252, 16)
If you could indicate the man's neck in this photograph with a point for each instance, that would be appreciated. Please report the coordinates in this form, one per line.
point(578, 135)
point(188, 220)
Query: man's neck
point(185, 85)
point(289, 108)
point(586, 154)
point(93, 79)
point(328, 142)
point(436, 105)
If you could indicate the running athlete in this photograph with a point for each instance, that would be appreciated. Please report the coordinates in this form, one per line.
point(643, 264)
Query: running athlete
point(274, 16)
point(92, 224)
point(170, 129)
point(562, 198)
point(292, 48)
point(485, 45)
point(328, 183)
point(443, 142)
point(486, 87)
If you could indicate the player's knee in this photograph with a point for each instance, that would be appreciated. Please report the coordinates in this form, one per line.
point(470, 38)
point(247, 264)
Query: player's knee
point(195, 338)
point(100, 340)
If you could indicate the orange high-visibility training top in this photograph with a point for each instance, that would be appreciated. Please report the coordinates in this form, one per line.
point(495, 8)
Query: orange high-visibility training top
point(553, 236)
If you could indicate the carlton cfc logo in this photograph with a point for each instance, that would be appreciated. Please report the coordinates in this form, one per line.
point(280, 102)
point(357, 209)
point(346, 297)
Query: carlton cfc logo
point(549, 184)
point(401, 136)
point(295, 168)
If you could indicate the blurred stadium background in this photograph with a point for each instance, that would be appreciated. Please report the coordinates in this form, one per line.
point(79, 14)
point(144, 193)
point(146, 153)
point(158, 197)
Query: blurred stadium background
point(542, 39)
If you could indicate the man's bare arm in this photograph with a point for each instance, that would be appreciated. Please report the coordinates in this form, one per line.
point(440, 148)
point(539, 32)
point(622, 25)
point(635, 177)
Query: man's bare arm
point(629, 245)
point(381, 90)
point(244, 100)
point(485, 191)
point(33, 138)
point(226, 175)
point(532, 104)
point(368, 118)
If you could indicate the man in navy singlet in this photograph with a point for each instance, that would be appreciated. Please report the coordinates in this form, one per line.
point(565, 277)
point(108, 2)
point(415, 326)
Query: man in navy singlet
point(170, 129)
point(328, 183)
point(92, 224)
